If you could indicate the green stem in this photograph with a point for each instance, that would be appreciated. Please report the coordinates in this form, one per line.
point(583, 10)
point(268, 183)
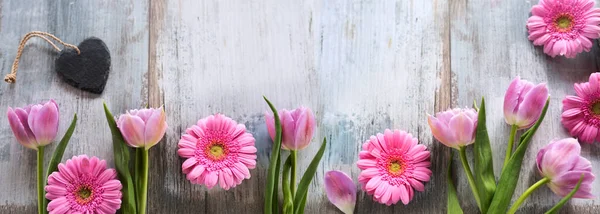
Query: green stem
point(137, 172)
point(294, 156)
point(40, 179)
point(463, 159)
point(143, 193)
point(288, 198)
point(511, 142)
point(526, 194)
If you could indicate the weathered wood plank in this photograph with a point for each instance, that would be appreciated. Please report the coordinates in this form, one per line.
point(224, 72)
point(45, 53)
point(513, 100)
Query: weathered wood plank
point(363, 66)
point(489, 48)
point(123, 27)
point(217, 56)
point(382, 65)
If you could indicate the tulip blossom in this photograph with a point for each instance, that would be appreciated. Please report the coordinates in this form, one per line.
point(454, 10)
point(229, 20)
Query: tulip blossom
point(562, 169)
point(143, 128)
point(560, 162)
point(341, 190)
point(298, 127)
point(34, 125)
point(523, 103)
point(454, 128)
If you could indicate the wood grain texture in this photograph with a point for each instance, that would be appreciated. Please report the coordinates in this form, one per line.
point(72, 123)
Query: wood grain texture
point(358, 64)
point(122, 25)
point(361, 65)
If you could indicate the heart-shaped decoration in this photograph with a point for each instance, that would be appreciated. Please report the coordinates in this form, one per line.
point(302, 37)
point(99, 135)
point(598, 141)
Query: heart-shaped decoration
point(88, 70)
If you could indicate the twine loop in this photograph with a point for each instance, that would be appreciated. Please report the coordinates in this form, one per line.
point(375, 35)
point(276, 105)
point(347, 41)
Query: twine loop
point(12, 76)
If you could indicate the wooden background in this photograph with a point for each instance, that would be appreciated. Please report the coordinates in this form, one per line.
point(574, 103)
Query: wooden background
point(362, 65)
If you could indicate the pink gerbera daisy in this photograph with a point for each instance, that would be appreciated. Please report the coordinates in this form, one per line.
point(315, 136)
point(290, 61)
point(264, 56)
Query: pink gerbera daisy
point(392, 165)
point(83, 185)
point(581, 113)
point(564, 27)
point(217, 149)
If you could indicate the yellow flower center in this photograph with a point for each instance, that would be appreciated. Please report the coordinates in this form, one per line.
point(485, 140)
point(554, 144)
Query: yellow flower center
point(564, 22)
point(216, 151)
point(396, 167)
point(84, 194)
point(596, 108)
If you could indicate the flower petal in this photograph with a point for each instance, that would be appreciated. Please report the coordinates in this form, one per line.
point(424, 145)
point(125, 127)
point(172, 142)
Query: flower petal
point(132, 128)
point(340, 190)
point(43, 122)
point(155, 128)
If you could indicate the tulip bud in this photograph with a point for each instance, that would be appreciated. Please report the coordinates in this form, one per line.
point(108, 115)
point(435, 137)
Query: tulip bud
point(454, 128)
point(34, 125)
point(341, 190)
point(144, 127)
point(524, 102)
point(560, 161)
point(298, 127)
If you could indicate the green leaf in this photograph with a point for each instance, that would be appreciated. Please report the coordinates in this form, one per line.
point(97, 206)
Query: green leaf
point(510, 174)
point(523, 136)
point(302, 203)
point(568, 197)
point(288, 202)
point(121, 158)
point(271, 204)
point(275, 205)
point(300, 197)
point(453, 204)
point(59, 151)
point(484, 164)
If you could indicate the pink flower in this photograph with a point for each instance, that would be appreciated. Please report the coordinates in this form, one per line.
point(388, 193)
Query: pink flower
point(581, 113)
point(454, 128)
point(341, 190)
point(217, 149)
point(298, 127)
point(564, 27)
point(392, 165)
point(34, 125)
point(83, 185)
point(144, 127)
point(524, 102)
point(561, 163)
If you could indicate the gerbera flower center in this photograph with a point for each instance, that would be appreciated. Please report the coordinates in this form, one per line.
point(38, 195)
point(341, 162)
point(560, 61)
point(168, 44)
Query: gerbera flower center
point(84, 194)
point(396, 167)
point(216, 151)
point(595, 108)
point(563, 22)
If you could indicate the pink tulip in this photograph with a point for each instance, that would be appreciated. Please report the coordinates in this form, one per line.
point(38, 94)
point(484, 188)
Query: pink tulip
point(298, 127)
point(523, 102)
point(144, 127)
point(34, 125)
point(560, 161)
point(454, 128)
point(341, 190)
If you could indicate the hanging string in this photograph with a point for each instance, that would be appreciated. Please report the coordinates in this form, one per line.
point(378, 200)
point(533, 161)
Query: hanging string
point(12, 77)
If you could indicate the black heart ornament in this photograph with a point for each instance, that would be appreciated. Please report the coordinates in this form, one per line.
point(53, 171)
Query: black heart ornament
point(88, 70)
